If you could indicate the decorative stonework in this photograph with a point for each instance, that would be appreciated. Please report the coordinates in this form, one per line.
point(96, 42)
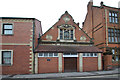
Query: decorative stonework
point(52, 28)
point(66, 26)
point(48, 37)
point(66, 19)
point(83, 38)
point(17, 20)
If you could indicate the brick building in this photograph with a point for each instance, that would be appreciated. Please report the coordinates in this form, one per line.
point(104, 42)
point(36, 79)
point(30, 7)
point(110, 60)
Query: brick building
point(65, 47)
point(19, 37)
point(101, 24)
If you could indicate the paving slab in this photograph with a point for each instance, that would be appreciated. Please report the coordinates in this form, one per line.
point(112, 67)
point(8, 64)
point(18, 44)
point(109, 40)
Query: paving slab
point(69, 74)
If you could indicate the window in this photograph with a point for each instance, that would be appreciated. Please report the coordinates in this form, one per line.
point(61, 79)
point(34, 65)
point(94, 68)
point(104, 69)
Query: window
point(6, 58)
point(116, 54)
point(48, 55)
point(70, 55)
point(113, 17)
point(114, 35)
point(7, 29)
point(89, 54)
point(66, 34)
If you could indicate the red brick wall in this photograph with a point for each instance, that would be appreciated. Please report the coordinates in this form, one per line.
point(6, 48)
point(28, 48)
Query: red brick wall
point(99, 20)
point(38, 30)
point(62, 64)
point(77, 64)
point(87, 26)
point(20, 60)
point(53, 31)
point(21, 33)
point(90, 63)
point(107, 62)
point(45, 66)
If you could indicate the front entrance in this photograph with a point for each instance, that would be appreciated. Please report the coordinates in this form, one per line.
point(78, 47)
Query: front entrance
point(70, 64)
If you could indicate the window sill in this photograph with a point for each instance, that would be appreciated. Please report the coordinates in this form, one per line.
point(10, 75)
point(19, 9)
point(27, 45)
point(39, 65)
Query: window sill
point(114, 43)
point(112, 23)
point(5, 64)
point(115, 61)
point(66, 40)
point(7, 34)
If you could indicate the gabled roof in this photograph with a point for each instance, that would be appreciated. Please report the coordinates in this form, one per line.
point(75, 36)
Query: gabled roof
point(66, 49)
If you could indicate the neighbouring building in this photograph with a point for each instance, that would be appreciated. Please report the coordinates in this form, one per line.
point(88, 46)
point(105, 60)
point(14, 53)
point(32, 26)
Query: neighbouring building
point(65, 47)
point(102, 24)
point(18, 38)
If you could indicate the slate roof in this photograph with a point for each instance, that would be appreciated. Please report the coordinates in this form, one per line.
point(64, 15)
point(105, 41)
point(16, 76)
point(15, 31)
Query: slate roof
point(66, 49)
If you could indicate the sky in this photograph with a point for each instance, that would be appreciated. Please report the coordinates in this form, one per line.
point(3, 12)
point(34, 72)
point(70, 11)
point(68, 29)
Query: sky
point(49, 11)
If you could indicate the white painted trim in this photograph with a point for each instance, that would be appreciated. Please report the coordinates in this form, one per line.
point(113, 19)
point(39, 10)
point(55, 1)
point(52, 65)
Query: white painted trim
point(1, 56)
point(63, 40)
point(80, 62)
point(90, 55)
point(46, 56)
point(70, 55)
point(58, 33)
point(74, 34)
point(36, 63)
point(60, 62)
point(99, 61)
point(14, 44)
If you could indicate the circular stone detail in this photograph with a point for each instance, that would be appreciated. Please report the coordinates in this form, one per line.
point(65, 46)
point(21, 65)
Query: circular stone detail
point(48, 37)
point(83, 38)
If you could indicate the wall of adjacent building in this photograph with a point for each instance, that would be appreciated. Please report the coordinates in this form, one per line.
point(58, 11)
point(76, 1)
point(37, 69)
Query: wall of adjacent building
point(21, 42)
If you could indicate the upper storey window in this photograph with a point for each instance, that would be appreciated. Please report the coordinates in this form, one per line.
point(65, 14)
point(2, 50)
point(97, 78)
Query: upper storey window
point(7, 29)
point(114, 35)
point(113, 17)
point(66, 32)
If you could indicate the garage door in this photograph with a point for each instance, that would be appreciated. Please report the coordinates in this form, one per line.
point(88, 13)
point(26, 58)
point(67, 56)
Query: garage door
point(70, 64)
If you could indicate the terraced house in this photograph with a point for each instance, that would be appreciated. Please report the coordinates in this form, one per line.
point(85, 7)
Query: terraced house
point(102, 24)
point(18, 38)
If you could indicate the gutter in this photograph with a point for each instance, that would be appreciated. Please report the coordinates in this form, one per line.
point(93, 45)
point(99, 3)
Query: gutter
point(33, 46)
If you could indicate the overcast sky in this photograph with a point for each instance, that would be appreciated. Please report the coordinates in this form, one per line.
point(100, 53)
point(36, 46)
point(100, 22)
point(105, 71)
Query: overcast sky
point(49, 11)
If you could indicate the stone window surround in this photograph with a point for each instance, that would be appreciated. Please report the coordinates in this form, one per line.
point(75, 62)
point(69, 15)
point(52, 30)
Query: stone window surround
point(111, 16)
point(115, 55)
point(1, 58)
point(8, 24)
point(113, 35)
point(69, 28)
point(43, 55)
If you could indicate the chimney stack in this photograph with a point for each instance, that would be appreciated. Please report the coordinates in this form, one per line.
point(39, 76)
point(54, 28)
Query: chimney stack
point(101, 3)
point(90, 4)
point(119, 4)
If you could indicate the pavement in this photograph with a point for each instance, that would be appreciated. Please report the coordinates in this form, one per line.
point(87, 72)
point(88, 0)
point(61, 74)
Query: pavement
point(62, 75)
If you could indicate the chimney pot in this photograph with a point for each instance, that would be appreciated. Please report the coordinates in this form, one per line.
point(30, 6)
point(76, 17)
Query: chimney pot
point(101, 3)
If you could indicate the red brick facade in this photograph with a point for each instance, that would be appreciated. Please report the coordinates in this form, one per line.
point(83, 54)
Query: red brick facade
point(51, 42)
point(96, 25)
point(45, 66)
point(90, 64)
point(20, 43)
